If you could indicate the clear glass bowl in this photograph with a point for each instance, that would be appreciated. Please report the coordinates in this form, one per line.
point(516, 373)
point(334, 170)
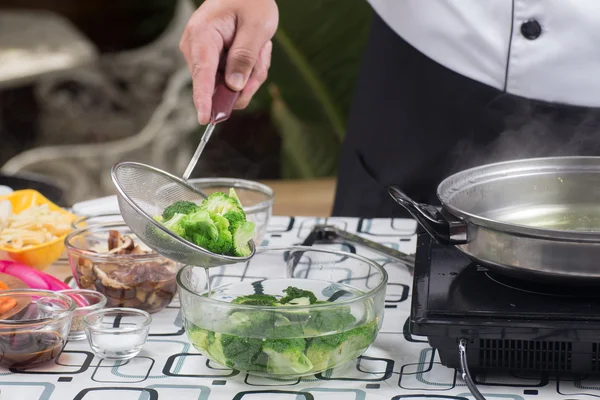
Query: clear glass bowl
point(117, 333)
point(34, 325)
point(91, 220)
point(142, 281)
point(87, 301)
point(257, 199)
point(350, 290)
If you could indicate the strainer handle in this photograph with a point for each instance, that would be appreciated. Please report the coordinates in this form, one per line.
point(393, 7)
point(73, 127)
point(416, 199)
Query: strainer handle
point(223, 101)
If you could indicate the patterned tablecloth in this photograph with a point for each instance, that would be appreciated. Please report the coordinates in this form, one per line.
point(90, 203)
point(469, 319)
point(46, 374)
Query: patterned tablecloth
point(398, 366)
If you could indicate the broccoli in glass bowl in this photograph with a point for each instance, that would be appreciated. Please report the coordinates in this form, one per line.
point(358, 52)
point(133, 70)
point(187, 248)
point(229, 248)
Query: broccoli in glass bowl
point(312, 310)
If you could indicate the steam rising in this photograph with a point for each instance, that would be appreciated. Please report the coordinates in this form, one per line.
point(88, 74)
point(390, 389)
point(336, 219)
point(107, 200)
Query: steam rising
point(538, 130)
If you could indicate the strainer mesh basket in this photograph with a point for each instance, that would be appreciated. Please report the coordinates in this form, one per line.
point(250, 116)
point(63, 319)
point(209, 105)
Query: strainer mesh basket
point(143, 192)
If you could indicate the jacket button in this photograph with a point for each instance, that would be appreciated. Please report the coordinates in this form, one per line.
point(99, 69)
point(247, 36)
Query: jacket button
point(531, 29)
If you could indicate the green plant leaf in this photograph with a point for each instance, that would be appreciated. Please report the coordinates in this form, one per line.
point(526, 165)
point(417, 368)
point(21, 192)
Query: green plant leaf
point(317, 52)
point(316, 57)
point(308, 150)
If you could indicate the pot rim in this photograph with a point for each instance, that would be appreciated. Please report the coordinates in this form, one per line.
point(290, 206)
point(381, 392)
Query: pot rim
point(465, 179)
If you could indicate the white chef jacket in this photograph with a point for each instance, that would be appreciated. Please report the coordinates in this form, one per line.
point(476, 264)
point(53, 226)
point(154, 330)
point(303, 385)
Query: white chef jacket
point(491, 41)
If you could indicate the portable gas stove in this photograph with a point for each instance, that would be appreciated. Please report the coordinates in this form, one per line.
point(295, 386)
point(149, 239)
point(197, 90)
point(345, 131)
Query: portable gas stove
point(506, 323)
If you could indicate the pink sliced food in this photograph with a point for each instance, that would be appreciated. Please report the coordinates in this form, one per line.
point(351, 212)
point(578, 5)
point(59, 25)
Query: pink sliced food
point(36, 279)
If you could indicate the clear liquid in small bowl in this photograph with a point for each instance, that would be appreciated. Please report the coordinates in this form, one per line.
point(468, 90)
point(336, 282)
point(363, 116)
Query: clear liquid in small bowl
point(117, 346)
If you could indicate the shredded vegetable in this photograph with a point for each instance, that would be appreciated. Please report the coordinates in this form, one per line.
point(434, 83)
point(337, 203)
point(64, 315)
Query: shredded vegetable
point(6, 303)
point(36, 225)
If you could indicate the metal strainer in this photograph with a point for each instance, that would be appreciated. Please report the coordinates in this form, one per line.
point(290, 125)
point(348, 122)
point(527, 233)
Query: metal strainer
point(144, 192)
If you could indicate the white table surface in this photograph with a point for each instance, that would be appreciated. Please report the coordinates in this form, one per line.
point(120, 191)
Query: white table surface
point(397, 366)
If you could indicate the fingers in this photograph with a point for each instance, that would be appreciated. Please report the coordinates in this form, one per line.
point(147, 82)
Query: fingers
point(201, 48)
point(258, 76)
point(205, 60)
point(244, 53)
point(231, 32)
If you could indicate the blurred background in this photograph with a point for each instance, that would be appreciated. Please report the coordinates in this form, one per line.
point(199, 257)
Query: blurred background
point(85, 84)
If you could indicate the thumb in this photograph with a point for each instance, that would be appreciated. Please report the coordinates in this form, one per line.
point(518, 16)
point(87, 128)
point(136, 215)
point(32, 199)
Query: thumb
point(242, 57)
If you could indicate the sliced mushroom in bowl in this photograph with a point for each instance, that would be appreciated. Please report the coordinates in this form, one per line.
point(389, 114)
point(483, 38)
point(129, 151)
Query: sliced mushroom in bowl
point(111, 260)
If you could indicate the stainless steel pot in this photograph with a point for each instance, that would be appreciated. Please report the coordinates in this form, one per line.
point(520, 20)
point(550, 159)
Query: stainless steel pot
point(533, 218)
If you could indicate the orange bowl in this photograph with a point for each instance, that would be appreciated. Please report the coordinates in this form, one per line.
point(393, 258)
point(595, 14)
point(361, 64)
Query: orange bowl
point(39, 256)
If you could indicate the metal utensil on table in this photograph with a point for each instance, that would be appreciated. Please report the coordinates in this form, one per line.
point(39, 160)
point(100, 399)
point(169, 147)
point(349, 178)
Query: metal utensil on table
point(144, 191)
point(331, 234)
point(533, 218)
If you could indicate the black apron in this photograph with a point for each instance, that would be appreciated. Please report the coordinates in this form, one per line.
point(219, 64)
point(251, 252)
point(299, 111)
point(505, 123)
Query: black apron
point(414, 122)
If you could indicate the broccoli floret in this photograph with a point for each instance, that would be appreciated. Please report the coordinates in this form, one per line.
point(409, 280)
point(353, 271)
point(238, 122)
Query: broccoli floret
point(320, 348)
point(229, 207)
point(205, 341)
point(200, 228)
point(234, 196)
point(296, 316)
point(220, 203)
point(221, 245)
point(287, 331)
point(240, 352)
point(201, 223)
point(286, 351)
point(216, 225)
point(242, 233)
point(235, 217)
point(256, 323)
point(286, 355)
point(199, 337)
point(260, 362)
point(356, 342)
point(296, 296)
point(176, 224)
point(210, 231)
point(332, 320)
point(256, 300)
point(180, 207)
point(331, 350)
point(240, 319)
point(221, 222)
point(215, 349)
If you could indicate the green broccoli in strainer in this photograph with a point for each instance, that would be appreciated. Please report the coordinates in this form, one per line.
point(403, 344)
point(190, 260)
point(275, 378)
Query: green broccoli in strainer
point(218, 225)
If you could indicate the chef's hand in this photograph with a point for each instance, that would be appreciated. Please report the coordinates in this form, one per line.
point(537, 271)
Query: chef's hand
point(236, 32)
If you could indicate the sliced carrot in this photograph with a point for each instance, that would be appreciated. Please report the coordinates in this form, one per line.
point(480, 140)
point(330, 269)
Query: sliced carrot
point(6, 304)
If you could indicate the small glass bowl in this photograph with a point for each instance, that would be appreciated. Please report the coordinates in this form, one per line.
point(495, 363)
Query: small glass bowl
point(117, 333)
point(87, 221)
point(94, 300)
point(256, 198)
point(34, 330)
point(143, 281)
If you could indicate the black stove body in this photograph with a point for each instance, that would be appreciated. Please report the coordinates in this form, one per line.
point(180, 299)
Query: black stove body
point(509, 324)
